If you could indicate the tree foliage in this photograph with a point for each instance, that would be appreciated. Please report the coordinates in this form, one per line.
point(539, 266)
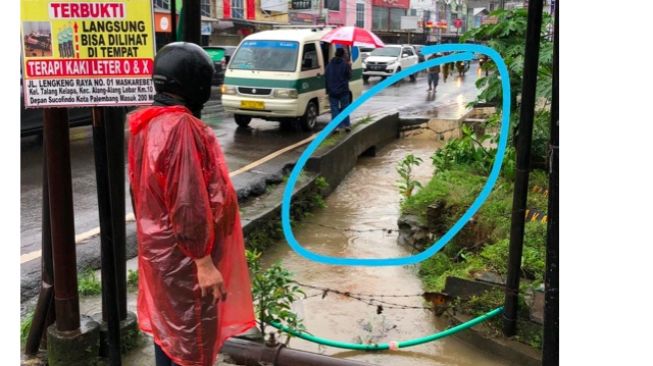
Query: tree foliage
point(508, 38)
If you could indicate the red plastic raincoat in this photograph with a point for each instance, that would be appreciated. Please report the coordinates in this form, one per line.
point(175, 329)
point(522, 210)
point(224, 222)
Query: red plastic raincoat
point(186, 208)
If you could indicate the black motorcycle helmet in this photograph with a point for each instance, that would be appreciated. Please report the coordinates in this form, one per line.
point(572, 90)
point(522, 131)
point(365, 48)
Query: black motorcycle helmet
point(185, 70)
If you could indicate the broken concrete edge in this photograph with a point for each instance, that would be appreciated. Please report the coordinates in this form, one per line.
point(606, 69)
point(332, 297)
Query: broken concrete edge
point(481, 337)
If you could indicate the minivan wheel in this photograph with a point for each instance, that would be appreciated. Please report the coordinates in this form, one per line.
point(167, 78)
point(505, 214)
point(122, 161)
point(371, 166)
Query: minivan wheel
point(413, 77)
point(241, 120)
point(309, 119)
point(366, 78)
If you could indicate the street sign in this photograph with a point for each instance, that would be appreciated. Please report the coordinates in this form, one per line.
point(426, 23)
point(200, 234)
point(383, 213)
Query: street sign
point(79, 53)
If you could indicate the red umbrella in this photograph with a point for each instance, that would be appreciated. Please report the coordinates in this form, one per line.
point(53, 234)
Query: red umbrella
point(353, 36)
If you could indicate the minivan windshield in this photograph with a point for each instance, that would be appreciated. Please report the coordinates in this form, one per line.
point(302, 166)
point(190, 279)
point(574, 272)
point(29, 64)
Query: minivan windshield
point(266, 56)
point(387, 51)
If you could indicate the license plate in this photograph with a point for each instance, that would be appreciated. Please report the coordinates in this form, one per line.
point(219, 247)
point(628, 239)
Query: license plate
point(378, 68)
point(251, 104)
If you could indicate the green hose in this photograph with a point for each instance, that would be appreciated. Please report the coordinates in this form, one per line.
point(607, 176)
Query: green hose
point(385, 346)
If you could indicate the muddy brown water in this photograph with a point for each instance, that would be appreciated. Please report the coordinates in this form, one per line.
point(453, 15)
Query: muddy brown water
point(352, 225)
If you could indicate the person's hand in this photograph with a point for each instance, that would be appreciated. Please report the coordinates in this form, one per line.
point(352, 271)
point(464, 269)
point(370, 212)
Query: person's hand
point(210, 279)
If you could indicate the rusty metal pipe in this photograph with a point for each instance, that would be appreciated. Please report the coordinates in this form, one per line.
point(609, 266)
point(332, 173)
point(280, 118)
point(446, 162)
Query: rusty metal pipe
point(62, 225)
point(254, 354)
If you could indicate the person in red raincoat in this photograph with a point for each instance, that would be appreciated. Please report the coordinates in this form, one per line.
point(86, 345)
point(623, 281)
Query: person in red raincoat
point(194, 288)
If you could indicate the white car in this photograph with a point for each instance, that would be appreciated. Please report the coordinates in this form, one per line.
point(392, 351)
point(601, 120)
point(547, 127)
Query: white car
point(365, 51)
point(389, 60)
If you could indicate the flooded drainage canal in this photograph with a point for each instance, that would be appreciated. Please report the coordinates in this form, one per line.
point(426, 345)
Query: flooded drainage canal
point(360, 220)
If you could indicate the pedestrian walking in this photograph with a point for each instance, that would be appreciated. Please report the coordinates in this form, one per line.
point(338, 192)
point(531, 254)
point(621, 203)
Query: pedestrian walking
point(452, 67)
point(433, 74)
point(338, 74)
point(193, 289)
point(445, 69)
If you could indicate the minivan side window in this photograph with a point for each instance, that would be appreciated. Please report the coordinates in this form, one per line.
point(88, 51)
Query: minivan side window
point(309, 57)
point(408, 51)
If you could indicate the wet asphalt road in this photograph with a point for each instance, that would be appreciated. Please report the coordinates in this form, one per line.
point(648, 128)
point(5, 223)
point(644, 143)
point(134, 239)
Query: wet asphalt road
point(241, 146)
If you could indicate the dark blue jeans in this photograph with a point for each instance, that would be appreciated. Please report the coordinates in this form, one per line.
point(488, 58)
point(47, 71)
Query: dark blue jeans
point(161, 358)
point(338, 103)
point(433, 79)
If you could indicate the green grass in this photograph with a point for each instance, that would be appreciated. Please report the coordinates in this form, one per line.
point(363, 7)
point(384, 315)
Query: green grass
point(132, 279)
point(88, 284)
point(25, 326)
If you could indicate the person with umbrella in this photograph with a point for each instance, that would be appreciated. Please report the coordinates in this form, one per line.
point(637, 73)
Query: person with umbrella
point(338, 71)
point(338, 74)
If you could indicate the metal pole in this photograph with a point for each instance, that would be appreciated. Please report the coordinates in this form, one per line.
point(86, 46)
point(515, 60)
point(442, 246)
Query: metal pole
point(524, 138)
point(44, 312)
point(173, 20)
point(191, 27)
point(192, 22)
point(115, 143)
point(110, 311)
point(550, 350)
point(57, 147)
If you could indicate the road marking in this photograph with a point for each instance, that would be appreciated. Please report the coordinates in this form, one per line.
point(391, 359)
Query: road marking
point(253, 165)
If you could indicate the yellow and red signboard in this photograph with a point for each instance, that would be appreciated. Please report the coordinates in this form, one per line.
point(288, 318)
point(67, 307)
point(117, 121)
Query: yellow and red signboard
point(87, 53)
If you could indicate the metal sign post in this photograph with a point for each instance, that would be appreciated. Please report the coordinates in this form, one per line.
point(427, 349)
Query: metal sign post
point(192, 22)
point(524, 139)
point(114, 129)
point(550, 350)
point(62, 224)
point(110, 311)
